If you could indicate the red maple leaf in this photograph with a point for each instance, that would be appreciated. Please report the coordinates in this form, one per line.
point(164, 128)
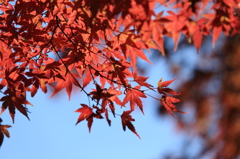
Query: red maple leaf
point(67, 83)
point(130, 49)
point(86, 113)
point(100, 93)
point(13, 101)
point(127, 121)
point(163, 90)
point(133, 95)
point(141, 80)
point(167, 102)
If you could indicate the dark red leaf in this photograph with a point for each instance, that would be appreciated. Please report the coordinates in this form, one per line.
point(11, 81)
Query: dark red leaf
point(107, 118)
point(3, 131)
point(1, 138)
point(127, 121)
point(169, 91)
point(167, 101)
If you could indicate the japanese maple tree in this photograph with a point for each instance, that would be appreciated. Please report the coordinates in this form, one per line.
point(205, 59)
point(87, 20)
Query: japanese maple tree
point(100, 42)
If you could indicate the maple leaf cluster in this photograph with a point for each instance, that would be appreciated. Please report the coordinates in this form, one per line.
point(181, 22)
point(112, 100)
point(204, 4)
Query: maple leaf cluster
point(166, 100)
point(60, 44)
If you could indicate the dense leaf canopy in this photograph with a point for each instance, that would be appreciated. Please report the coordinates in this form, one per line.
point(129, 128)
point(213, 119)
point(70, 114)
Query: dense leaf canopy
point(62, 43)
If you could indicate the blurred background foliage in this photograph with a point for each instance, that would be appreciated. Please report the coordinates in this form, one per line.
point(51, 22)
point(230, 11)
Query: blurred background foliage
point(210, 86)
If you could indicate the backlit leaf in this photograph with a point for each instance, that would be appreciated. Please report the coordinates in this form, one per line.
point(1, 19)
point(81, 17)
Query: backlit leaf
point(127, 122)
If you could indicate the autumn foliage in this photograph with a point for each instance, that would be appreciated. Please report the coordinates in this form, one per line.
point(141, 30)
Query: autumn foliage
point(59, 44)
point(213, 100)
